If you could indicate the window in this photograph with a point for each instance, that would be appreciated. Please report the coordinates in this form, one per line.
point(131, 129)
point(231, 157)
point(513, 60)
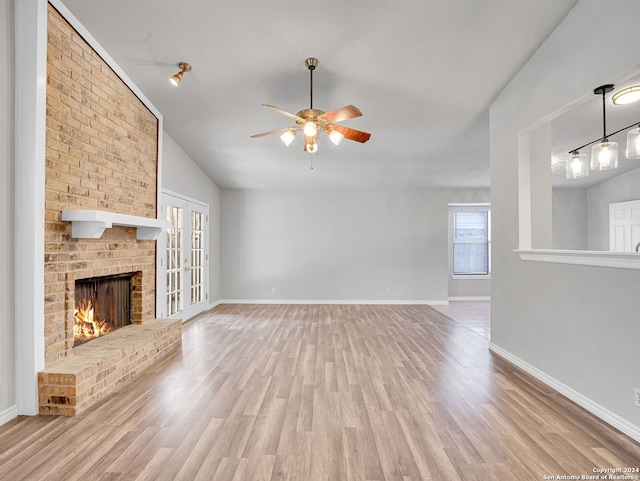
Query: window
point(471, 239)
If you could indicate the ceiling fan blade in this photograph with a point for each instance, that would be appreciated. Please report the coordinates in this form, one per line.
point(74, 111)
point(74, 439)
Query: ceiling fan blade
point(272, 132)
point(343, 113)
point(284, 112)
point(352, 134)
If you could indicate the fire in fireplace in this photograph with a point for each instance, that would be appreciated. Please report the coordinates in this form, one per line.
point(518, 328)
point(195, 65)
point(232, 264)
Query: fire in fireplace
point(102, 304)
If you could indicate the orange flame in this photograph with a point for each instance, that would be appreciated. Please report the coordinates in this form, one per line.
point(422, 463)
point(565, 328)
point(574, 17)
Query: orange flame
point(84, 327)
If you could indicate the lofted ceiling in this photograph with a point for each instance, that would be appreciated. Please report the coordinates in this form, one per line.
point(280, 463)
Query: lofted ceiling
point(423, 73)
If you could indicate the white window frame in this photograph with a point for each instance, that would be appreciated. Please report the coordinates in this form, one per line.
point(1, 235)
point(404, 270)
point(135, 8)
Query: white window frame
point(485, 207)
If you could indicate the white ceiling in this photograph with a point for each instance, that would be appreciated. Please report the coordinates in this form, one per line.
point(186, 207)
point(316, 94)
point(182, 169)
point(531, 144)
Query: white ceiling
point(423, 72)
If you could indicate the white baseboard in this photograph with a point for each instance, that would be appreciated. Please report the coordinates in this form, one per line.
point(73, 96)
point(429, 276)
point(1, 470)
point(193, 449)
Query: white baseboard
point(470, 298)
point(8, 414)
point(594, 408)
point(333, 301)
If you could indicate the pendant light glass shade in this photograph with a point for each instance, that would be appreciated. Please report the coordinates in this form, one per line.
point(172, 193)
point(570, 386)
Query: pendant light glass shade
point(633, 143)
point(577, 166)
point(604, 156)
point(557, 161)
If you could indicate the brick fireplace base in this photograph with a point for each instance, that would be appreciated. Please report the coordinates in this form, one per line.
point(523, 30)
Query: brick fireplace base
point(99, 367)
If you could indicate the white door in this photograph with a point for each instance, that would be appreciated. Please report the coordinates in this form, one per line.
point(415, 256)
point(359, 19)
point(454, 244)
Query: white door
point(183, 253)
point(624, 226)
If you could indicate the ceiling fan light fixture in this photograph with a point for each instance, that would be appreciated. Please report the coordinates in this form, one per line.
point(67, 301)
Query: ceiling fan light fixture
point(310, 129)
point(288, 137)
point(335, 137)
point(311, 121)
point(184, 67)
point(627, 95)
point(312, 145)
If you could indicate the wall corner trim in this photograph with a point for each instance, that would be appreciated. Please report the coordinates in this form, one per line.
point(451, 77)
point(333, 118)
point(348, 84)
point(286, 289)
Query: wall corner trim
point(8, 414)
point(594, 408)
point(214, 304)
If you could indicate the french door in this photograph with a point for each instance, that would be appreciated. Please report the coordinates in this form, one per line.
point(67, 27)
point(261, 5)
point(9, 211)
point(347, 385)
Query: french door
point(183, 253)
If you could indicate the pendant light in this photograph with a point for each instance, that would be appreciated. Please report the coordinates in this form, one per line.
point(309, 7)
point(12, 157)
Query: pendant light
point(633, 143)
point(576, 165)
point(604, 155)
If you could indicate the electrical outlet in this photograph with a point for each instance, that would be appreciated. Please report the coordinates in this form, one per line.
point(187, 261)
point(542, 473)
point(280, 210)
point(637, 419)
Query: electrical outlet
point(388, 290)
point(636, 397)
point(273, 290)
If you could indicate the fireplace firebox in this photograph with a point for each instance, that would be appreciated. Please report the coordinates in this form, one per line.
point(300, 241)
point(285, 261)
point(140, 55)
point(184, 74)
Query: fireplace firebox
point(102, 305)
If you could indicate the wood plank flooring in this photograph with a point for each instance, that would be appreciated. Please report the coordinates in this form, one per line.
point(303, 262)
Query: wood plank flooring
point(321, 392)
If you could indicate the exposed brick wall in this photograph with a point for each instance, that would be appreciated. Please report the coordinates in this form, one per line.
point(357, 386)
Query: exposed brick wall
point(101, 153)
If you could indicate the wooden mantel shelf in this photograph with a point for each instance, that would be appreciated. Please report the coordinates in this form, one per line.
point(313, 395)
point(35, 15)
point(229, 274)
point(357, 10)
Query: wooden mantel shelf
point(90, 224)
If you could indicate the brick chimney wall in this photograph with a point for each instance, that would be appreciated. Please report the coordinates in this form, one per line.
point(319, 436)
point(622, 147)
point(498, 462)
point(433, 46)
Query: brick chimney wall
point(101, 153)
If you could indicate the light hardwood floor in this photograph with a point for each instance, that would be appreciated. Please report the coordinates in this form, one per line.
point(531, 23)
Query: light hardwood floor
point(305, 392)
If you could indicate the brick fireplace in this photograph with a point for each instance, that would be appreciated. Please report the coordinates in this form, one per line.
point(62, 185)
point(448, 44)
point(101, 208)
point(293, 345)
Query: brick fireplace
point(101, 154)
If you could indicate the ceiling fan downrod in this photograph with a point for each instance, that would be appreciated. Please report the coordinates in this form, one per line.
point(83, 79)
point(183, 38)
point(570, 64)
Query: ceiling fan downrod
point(311, 64)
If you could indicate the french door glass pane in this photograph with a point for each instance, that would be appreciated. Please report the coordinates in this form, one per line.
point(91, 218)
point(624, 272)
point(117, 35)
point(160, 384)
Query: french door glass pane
point(197, 265)
point(174, 260)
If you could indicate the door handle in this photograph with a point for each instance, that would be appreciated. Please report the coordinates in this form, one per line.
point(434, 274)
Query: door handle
point(187, 268)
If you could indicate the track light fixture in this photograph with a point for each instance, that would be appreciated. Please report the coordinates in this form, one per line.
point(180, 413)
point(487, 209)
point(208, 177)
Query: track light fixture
point(604, 154)
point(184, 67)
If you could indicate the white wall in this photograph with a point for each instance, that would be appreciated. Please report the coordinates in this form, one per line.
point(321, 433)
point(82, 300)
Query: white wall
point(621, 188)
point(180, 174)
point(569, 219)
point(576, 325)
point(7, 333)
point(335, 245)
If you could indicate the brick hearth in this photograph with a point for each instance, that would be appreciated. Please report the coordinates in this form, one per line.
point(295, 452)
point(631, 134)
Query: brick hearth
point(99, 367)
